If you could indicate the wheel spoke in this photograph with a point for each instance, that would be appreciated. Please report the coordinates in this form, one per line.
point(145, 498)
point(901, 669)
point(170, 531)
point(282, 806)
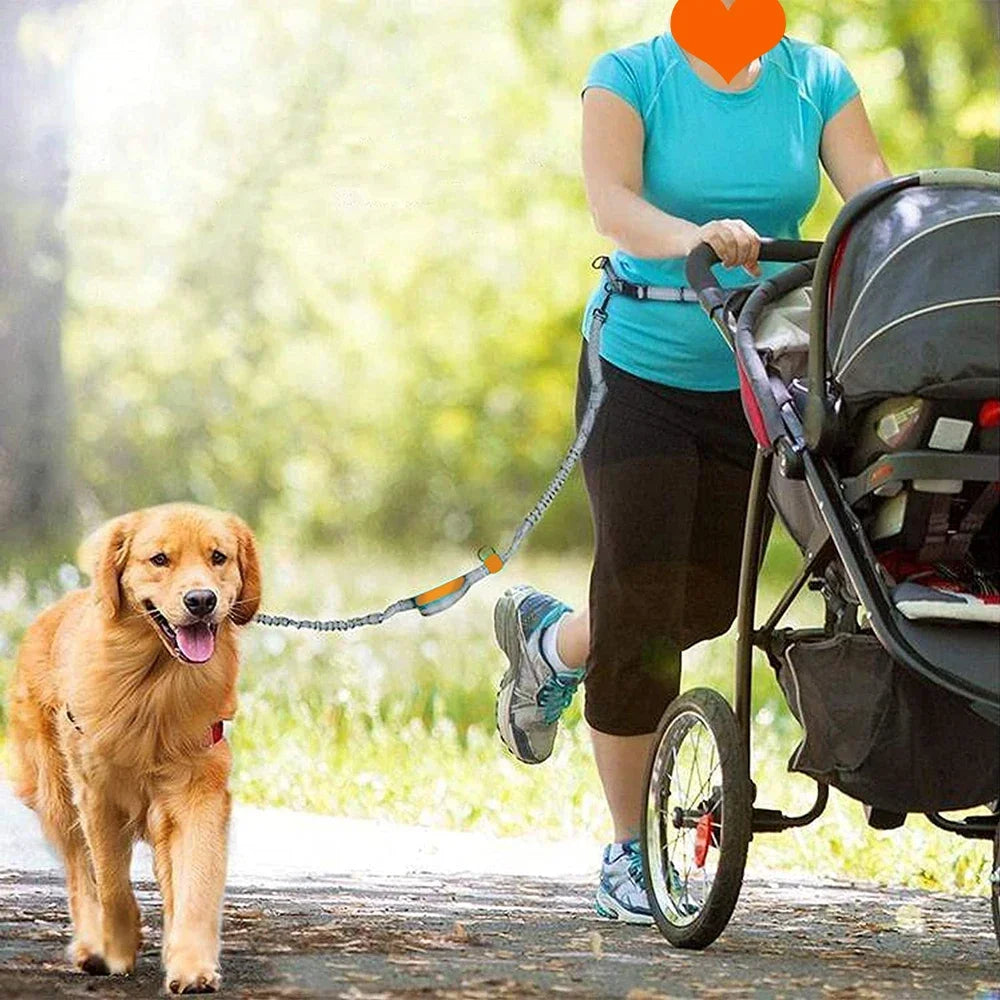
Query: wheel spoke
point(695, 760)
point(695, 772)
point(701, 788)
point(687, 788)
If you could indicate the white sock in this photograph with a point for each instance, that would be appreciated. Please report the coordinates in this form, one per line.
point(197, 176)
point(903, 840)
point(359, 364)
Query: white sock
point(550, 648)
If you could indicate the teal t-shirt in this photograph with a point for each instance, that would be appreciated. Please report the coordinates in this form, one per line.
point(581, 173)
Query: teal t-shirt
point(709, 154)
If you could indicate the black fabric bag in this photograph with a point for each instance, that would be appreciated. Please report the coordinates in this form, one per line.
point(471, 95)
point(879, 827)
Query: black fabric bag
point(881, 733)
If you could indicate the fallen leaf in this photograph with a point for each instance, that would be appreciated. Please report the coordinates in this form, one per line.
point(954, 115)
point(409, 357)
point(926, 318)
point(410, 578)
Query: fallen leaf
point(596, 944)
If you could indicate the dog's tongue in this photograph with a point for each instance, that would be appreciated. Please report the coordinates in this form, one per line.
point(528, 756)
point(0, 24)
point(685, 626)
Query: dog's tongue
point(196, 642)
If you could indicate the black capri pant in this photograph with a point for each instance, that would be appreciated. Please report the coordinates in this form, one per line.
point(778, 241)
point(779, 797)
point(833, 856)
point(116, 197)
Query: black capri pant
point(668, 474)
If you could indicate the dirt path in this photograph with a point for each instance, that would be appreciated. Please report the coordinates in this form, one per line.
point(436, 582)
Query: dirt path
point(321, 906)
point(493, 936)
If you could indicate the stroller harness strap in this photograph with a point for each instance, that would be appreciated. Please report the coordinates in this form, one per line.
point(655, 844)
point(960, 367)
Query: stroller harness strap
point(438, 598)
point(940, 543)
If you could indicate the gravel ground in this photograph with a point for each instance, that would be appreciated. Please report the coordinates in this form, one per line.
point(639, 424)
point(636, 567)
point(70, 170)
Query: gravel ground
point(319, 906)
point(496, 936)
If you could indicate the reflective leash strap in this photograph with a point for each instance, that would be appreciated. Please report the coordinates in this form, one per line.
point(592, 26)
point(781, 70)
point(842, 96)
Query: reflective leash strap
point(437, 599)
point(598, 390)
point(335, 624)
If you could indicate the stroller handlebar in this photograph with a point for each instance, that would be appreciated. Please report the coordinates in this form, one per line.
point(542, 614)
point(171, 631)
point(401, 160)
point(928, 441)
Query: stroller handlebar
point(701, 260)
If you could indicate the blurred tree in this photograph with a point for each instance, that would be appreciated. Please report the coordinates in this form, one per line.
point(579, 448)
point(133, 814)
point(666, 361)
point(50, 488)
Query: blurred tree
point(335, 273)
point(991, 13)
point(35, 499)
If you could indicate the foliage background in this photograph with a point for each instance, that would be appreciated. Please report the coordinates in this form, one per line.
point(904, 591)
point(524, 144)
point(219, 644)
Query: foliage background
point(328, 258)
point(326, 263)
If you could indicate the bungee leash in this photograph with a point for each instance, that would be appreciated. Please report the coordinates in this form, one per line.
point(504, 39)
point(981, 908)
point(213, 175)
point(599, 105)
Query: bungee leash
point(439, 598)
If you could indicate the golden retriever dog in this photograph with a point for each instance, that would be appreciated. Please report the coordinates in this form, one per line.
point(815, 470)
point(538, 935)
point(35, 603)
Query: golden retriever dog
point(116, 709)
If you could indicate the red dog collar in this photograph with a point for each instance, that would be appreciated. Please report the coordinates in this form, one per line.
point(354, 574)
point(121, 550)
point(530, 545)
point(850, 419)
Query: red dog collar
point(215, 733)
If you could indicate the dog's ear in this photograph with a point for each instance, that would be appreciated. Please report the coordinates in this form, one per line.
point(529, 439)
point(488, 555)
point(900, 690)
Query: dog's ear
point(248, 600)
point(103, 555)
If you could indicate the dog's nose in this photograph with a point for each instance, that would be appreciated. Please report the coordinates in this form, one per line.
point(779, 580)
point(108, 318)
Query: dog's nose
point(200, 602)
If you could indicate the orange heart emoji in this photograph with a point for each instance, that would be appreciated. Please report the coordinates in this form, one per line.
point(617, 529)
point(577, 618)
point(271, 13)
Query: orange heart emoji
point(729, 39)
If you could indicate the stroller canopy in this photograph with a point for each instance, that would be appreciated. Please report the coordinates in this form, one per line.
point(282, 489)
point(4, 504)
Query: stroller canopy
point(916, 297)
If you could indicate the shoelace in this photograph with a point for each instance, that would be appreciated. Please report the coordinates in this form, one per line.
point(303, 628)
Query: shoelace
point(635, 863)
point(555, 695)
point(677, 887)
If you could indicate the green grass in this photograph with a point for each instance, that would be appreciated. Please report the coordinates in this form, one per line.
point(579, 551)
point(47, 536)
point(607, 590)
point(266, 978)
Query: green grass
point(396, 722)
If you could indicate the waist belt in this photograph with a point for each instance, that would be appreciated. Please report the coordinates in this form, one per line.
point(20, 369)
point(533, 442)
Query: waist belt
point(617, 285)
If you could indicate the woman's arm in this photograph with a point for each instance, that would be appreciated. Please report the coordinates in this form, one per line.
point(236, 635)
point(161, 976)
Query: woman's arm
point(613, 138)
point(849, 151)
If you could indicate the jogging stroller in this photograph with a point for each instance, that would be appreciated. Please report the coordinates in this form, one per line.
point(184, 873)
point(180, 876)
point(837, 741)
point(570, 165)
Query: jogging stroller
point(870, 376)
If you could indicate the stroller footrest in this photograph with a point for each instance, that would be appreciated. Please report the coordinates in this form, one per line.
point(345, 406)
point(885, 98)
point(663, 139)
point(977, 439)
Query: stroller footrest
point(769, 821)
point(977, 827)
point(774, 820)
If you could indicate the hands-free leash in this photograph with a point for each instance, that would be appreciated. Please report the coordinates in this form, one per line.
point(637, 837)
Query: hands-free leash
point(437, 599)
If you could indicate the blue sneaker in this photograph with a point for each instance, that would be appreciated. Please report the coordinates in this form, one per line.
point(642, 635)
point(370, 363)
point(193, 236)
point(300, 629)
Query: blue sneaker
point(532, 694)
point(621, 894)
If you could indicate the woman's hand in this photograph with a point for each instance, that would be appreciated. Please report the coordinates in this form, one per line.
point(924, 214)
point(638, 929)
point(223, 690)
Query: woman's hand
point(736, 243)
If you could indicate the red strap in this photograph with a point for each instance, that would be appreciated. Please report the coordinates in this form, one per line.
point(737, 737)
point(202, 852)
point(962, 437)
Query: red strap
point(752, 410)
point(214, 734)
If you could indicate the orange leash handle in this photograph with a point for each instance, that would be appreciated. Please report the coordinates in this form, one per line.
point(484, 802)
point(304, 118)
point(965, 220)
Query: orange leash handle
point(430, 602)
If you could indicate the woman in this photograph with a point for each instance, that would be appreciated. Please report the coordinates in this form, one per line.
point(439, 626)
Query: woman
point(673, 156)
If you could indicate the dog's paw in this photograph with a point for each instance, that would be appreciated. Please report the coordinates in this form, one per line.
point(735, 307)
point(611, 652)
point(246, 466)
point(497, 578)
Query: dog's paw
point(120, 956)
point(88, 960)
point(121, 966)
point(94, 965)
point(190, 977)
point(122, 940)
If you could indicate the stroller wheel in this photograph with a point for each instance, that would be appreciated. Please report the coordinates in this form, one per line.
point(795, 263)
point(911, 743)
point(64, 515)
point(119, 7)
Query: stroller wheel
point(995, 883)
point(696, 822)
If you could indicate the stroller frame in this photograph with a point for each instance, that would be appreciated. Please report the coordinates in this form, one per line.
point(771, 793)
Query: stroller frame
point(802, 449)
point(821, 481)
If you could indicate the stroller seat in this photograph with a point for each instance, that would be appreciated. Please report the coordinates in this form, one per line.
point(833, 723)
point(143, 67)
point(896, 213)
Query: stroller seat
point(926, 487)
point(923, 476)
point(913, 341)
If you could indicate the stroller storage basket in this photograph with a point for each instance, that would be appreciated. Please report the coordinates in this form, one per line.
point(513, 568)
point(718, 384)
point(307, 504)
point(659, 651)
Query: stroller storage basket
point(881, 733)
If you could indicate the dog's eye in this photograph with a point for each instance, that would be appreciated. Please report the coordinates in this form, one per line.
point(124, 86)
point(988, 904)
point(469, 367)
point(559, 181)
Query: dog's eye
point(160, 559)
point(218, 558)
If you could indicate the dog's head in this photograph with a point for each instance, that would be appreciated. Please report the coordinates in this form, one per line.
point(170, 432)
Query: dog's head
point(186, 569)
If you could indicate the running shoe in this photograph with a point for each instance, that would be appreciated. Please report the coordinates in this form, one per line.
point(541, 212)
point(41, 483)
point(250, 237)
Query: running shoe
point(621, 894)
point(532, 695)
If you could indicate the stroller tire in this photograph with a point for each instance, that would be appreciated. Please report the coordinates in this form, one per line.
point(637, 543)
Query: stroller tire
point(696, 823)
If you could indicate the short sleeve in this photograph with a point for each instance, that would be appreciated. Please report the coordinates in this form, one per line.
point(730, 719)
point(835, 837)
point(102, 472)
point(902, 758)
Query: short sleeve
point(836, 85)
point(614, 72)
